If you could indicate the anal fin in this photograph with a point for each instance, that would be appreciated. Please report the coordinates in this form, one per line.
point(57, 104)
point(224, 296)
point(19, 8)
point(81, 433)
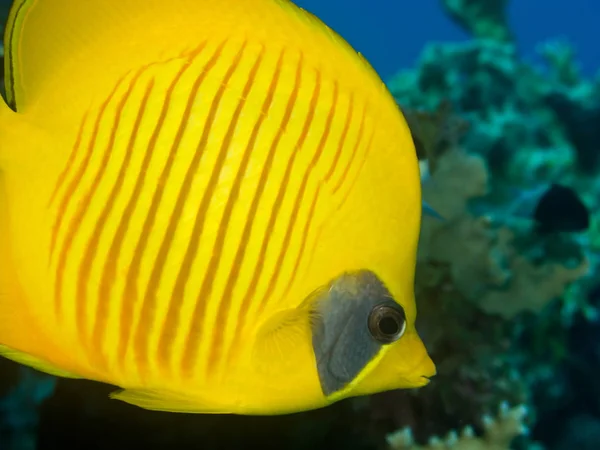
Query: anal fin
point(159, 400)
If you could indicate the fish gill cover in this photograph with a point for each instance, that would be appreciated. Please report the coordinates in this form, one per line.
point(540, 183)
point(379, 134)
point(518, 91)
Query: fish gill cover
point(508, 313)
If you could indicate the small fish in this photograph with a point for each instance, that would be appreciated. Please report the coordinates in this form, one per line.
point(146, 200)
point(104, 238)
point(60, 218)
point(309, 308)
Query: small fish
point(429, 211)
point(561, 210)
point(214, 206)
point(554, 208)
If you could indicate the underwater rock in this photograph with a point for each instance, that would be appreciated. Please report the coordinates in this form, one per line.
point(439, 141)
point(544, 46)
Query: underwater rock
point(575, 101)
point(481, 18)
point(578, 110)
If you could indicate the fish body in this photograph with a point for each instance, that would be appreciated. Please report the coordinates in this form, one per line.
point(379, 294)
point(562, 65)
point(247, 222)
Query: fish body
point(195, 202)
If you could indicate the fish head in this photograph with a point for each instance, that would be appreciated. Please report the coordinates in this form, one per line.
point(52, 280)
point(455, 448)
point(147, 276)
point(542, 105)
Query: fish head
point(351, 337)
point(364, 339)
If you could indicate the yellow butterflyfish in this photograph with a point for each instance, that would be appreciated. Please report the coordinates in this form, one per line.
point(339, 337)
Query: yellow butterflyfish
point(212, 204)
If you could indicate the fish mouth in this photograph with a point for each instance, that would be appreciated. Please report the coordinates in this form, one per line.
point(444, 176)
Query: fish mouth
point(419, 381)
point(423, 380)
point(426, 368)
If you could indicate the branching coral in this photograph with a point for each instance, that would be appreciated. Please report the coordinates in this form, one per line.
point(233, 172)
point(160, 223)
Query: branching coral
point(531, 286)
point(482, 260)
point(498, 434)
point(479, 258)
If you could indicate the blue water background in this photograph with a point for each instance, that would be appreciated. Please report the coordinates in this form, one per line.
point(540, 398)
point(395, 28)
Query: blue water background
point(392, 33)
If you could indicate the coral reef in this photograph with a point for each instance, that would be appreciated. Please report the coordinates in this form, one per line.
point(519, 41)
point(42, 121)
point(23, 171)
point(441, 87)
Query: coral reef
point(496, 298)
point(529, 124)
point(498, 434)
point(480, 18)
point(475, 280)
point(485, 260)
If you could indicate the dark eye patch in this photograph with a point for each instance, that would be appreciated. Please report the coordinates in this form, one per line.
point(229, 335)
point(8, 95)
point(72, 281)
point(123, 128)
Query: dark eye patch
point(341, 337)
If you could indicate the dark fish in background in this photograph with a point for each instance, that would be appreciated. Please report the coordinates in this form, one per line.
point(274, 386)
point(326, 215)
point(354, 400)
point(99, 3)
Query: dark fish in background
point(554, 208)
point(561, 210)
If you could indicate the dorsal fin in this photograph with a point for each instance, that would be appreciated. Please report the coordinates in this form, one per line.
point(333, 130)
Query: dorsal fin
point(57, 48)
point(51, 44)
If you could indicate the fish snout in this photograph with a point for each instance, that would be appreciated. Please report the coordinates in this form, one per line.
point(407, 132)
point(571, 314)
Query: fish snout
point(424, 371)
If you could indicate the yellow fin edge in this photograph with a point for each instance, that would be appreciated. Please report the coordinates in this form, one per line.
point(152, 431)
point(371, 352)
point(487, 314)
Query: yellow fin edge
point(158, 400)
point(11, 36)
point(34, 362)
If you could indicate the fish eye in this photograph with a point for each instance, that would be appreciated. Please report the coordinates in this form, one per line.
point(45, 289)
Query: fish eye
point(387, 323)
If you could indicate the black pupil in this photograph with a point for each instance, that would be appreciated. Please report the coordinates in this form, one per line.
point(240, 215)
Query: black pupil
point(389, 326)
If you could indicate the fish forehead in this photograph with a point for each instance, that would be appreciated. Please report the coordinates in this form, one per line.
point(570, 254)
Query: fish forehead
point(196, 193)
